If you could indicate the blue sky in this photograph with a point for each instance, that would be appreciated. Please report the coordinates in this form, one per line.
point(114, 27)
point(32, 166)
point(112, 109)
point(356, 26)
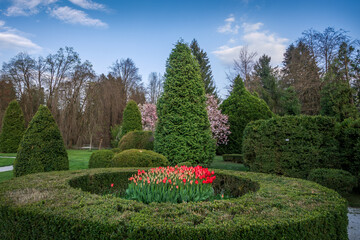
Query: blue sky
point(146, 31)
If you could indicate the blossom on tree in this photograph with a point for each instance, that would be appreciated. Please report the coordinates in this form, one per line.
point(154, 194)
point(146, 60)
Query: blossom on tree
point(148, 116)
point(218, 122)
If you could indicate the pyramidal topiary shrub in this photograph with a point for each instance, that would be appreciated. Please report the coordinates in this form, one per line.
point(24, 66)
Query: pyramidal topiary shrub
point(183, 130)
point(241, 107)
point(131, 118)
point(42, 147)
point(13, 127)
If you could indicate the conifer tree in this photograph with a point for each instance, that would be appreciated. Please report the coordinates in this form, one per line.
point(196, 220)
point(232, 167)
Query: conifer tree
point(241, 107)
point(13, 128)
point(42, 147)
point(131, 118)
point(183, 130)
point(205, 68)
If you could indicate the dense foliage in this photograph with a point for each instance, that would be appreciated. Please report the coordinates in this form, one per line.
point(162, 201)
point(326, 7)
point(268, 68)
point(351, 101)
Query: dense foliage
point(139, 158)
point(183, 129)
point(42, 147)
point(13, 127)
point(291, 145)
point(101, 159)
point(29, 209)
point(137, 140)
point(241, 107)
point(116, 133)
point(339, 180)
point(131, 118)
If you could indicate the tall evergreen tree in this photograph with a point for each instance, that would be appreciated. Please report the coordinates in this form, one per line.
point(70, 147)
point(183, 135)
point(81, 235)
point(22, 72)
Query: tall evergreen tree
point(241, 107)
point(205, 68)
point(290, 104)
point(301, 72)
point(42, 147)
point(13, 128)
point(183, 130)
point(131, 118)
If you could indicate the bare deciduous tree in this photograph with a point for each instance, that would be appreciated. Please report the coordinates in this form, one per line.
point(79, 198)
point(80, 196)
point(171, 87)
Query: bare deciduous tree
point(244, 64)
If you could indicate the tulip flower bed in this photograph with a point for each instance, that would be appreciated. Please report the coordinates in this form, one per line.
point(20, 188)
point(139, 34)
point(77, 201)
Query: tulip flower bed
point(171, 184)
point(74, 205)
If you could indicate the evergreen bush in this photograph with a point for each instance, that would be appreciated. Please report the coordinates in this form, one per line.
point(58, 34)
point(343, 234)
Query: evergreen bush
point(291, 145)
point(101, 159)
point(139, 158)
point(183, 130)
point(42, 147)
point(131, 118)
point(241, 107)
point(13, 127)
point(137, 140)
point(339, 180)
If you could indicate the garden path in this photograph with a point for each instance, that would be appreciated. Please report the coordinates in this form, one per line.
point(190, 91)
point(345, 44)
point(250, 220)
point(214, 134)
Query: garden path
point(354, 223)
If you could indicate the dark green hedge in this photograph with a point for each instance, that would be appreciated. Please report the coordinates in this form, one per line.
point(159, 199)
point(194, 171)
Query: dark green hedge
point(42, 148)
point(45, 206)
point(339, 180)
point(137, 140)
point(139, 158)
point(13, 128)
point(291, 145)
point(101, 159)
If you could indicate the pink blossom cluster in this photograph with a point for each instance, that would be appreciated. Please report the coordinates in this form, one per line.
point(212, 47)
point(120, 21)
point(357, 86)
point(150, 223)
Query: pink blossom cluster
point(218, 122)
point(148, 116)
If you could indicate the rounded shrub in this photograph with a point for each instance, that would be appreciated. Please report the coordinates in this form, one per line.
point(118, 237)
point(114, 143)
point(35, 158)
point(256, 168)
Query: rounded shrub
point(339, 180)
point(131, 118)
point(116, 150)
point(13, 127)
point(42, 147)
point(241, 107)
point(291, 145)
point(101, 159)
point(273, 208)
point(139, 158)
point(183, 128)
point(137, 140)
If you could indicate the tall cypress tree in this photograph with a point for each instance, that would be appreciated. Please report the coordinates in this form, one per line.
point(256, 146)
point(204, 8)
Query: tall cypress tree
point(183, 130)
point(131, 118)
point(13, 128)
point(241, 107)
point(205, 68)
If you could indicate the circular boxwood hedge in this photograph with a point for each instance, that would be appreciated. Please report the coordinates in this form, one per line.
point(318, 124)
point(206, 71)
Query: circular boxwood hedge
point(46, 206)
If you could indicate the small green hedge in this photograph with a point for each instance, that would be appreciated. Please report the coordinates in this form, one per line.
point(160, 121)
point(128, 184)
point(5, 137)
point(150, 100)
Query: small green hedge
point(238, 158)
point(137, 140)
point(291, 145)
point(101, 159)
point(139, 158)
point(339, 180)
point(45, 206)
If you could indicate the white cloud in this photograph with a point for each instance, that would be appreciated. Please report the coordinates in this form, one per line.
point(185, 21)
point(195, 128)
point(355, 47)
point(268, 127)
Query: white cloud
point(11, 40)
point(26, 7)
point(73, 16)
point(258, 41)
point(88, 4)
point(230, 26)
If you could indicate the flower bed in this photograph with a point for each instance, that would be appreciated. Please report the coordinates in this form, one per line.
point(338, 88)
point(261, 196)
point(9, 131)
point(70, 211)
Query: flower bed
point(74, 205)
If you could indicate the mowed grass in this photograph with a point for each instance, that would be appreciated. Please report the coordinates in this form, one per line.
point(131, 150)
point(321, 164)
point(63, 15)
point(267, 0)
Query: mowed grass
point(6, 161)
point(78, 159)
point(219, 163)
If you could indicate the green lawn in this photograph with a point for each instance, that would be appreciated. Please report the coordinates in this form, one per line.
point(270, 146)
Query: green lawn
point(219, 163)
point(6, 161)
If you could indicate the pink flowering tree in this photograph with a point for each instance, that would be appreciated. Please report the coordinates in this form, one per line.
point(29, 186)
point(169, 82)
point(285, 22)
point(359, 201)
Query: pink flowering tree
point(148, 116)
point(218, 122)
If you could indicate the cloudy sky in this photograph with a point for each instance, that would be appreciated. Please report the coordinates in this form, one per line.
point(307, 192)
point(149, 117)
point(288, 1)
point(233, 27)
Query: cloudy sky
point(146, 31)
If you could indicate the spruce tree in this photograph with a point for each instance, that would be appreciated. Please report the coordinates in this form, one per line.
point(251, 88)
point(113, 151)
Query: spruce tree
point(241, 107)
point(205, 68)
point(13, 127)
point(42, 147)
point(183, 130)
point(131, 118)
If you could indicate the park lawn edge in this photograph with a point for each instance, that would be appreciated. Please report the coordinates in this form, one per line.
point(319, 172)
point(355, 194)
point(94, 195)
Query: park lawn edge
point(44, 206)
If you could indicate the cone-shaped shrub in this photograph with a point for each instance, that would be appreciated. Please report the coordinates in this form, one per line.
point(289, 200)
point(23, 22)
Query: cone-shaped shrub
point(41, 148)
point(13, 128)
point(183, 130)
point(241, 107)
point(131, 118)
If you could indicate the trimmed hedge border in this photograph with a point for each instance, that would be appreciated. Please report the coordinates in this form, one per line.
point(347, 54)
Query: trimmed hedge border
point(45, 206)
